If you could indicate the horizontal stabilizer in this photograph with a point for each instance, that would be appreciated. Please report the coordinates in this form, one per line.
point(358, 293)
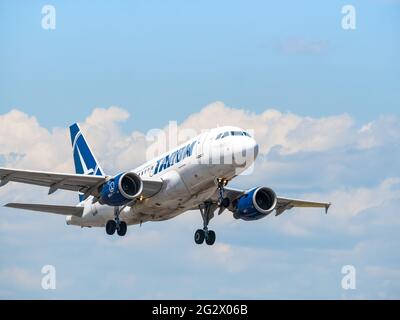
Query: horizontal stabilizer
point(63, 210)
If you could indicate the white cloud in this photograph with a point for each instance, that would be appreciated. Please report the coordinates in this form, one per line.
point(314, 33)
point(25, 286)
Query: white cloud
point(385, 130)
point(353, 201)
point(291, 133)
point(26, 144)
point(346, 215)
point(115, 149)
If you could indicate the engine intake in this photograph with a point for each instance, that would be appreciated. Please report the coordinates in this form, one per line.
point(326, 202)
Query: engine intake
point(255, 204)
point(121, 189)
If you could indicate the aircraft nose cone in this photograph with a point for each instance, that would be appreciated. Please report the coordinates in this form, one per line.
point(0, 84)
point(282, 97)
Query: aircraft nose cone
point(246, 152)
point(252, 149)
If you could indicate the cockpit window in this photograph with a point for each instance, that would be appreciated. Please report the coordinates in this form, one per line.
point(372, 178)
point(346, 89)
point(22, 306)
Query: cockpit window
point(232, 133)
point(246, 134)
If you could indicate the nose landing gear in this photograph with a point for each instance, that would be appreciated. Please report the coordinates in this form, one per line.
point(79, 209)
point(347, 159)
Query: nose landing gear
point(207, 213)
point(116, 224)
point(223, 202)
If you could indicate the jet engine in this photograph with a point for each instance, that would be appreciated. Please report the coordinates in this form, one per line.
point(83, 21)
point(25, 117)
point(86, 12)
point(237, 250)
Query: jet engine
point(121, 189)
point(255, 204)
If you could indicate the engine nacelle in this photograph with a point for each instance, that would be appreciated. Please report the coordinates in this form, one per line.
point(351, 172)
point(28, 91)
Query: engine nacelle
point(255, 204)
point(121, 189)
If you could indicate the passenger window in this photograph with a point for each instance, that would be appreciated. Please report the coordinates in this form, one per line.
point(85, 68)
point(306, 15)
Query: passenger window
point(225, 135)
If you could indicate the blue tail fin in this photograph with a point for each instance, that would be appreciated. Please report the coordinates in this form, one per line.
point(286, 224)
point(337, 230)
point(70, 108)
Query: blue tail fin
point(84, 159)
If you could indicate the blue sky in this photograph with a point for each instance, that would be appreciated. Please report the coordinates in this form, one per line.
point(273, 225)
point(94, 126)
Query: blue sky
point(162, 61)
point(334, 135)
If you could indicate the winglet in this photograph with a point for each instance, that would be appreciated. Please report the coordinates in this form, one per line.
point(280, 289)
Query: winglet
point(5, 179)
point(327, 207)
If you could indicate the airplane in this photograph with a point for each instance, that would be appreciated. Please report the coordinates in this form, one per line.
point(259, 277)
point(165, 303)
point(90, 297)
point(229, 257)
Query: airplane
point(192, 176)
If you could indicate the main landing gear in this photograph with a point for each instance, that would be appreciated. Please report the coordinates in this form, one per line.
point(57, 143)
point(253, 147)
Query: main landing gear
point(116, 224)
point(207, 213)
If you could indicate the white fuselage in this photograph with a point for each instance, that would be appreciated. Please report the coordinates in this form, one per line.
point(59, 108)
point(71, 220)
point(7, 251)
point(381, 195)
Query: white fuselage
point(189, 174)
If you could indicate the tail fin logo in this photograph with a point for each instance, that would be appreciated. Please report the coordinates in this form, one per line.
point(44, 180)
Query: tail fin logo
point(85, 169)
point(84, 159)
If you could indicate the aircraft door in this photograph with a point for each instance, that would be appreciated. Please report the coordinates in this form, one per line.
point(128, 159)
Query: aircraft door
point(200, 145)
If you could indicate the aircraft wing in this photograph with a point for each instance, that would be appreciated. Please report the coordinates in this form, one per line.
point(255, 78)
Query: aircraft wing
point(54, 181)
point(86, 184)
point(287, 204)
point(63, 210)
point(283, 204)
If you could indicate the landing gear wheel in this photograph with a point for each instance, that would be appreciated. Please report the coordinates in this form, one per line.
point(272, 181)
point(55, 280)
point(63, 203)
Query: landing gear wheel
point(122, 229)
point(210, 237)
point(111, 226)
point(199, 236)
